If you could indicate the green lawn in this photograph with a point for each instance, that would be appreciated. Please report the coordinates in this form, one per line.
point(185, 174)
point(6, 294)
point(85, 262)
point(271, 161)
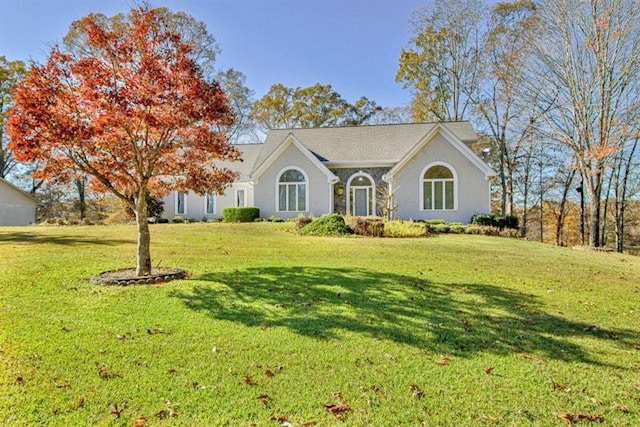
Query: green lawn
point(271, 326)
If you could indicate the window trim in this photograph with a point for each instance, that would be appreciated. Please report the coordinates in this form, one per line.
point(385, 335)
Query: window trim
point(184, 200)
point(244, 197)
point(213, 200)
point(422, 182)
point(306, 189)
point(372, 192)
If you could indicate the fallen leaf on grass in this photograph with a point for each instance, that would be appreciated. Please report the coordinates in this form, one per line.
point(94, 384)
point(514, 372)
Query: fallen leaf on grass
point(19, 380)
point(247, 380)
point(269, 373)
point(104, 372)
point(156, 330)
point(488, 371)
point(338, 409)
point(79, 403)
point(572, 418)
point(308, 424)
point(417, 391)
point(63, 385)
point(281, 419)
point(139, 422)
point(561, 387)
point(620, 407)
point(168, 411)
point(444, 360)
point(337, 394)
point(117, 412)
point(264, 399)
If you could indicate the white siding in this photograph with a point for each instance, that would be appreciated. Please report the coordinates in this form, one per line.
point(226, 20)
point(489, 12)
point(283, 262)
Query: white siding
point(16, 208)
point(473, 189)
point(266, 190)
point(196, 205)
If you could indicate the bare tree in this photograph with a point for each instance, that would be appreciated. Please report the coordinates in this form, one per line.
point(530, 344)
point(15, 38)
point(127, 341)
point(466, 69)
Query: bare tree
point(497, 99)
point(585, 67)
point(441, 65)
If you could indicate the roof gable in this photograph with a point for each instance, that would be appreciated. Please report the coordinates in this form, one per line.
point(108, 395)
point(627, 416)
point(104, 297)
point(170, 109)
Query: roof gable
point(17, 189)
point(450, 137)
point(265, 161)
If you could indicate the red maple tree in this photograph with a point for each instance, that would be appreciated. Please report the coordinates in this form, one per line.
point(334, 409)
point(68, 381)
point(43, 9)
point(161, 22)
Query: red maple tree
point(132, 110)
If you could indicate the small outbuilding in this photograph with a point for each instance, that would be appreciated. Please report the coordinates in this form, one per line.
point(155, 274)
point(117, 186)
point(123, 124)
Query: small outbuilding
point(17, 207)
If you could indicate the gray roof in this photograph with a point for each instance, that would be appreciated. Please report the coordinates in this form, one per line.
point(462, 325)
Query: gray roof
point(248, 153)
point(376, 143)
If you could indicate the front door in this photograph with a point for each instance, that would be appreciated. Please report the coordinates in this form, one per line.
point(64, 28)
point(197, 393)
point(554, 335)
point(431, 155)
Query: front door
point(361, 201)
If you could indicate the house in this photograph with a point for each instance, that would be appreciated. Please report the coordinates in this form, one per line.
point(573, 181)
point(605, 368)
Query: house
point(421, 170)
point(16, 206)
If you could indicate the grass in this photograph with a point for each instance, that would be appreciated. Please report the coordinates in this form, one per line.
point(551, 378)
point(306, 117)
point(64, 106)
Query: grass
point(446, 330)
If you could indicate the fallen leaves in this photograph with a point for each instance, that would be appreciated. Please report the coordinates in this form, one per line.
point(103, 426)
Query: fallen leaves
point(139, 422)
point(117, 411)
point(418, 393)
point(620, 407)
point(488, 371)
point(79, 403)
point(337, 409)
point(443, 361)
point(156, 330)
point(560, 387)
point(104, 372)
point(264, 399)
point(169, 411)
point(572, 418)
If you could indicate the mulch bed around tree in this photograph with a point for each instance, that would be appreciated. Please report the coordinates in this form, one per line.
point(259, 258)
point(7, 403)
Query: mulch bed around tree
point(127, 276)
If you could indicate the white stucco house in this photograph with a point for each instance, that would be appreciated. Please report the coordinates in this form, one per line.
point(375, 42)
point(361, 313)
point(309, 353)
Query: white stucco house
point(16, 206)
point(427, 168)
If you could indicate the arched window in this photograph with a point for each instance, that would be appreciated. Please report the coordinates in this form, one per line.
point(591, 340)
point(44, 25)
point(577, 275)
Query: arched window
point(292, 191)
point(361, 199)
point(438, 188)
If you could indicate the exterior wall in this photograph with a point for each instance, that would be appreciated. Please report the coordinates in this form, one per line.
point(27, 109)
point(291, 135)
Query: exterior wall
point(340, 200)
point(473, 189)
point(196, 205)
point(16, 208)
point(319, 191)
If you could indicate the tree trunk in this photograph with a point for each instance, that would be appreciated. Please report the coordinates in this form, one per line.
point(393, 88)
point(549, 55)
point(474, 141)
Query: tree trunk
point(560, 219)
point(594, 211)
point(144, 237)
point(80, 186)
point(621, 197)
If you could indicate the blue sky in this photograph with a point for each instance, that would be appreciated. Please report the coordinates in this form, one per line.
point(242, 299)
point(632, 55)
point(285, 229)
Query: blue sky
point(353, 45)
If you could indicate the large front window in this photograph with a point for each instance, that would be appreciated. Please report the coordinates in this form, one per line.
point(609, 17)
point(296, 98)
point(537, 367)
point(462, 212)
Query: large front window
point(438, 189)
point(292, 191)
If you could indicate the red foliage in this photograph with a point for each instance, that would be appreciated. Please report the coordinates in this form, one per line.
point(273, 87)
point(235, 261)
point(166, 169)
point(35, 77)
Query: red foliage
point(132, 109)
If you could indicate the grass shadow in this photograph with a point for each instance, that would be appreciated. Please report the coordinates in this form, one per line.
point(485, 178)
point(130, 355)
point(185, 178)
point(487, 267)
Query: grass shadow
point(458, 319)
point(59, 239)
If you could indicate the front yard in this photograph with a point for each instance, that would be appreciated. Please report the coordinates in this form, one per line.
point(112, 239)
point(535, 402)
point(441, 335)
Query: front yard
point(274, 328)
